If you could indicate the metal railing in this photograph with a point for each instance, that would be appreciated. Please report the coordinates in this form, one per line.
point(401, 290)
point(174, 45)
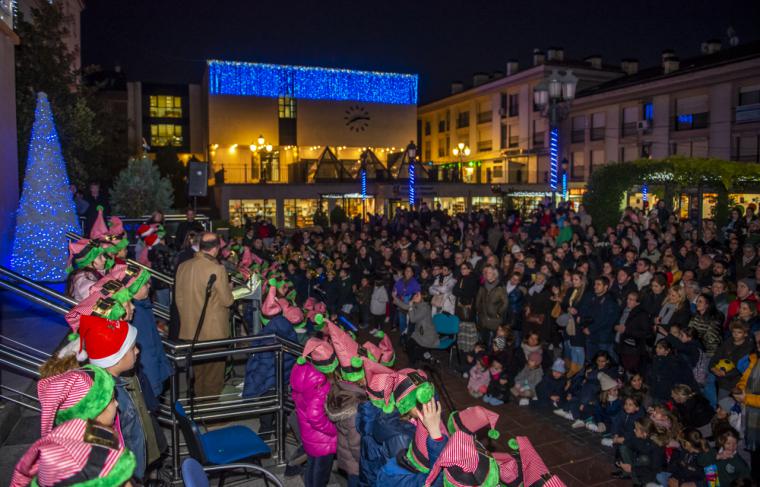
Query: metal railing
point(26, 360)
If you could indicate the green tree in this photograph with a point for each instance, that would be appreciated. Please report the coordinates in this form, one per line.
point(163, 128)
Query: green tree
point(139, 189)
point(44, 63)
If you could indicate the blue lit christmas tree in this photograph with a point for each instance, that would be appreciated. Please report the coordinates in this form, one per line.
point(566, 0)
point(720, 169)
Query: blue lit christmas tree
point(46, 210)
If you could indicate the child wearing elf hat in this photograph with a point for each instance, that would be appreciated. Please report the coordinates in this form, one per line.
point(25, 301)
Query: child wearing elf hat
point(112, 345)
point(310, 387)
point(388, 431)
point(112, 240)
point(412, 466)
point(463, 464)
point(77, 453)
point(348, 352)
point(87, 264)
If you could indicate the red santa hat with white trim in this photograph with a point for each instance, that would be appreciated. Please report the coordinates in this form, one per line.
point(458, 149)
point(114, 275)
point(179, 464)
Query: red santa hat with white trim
point(106, 341)
point(77, 453)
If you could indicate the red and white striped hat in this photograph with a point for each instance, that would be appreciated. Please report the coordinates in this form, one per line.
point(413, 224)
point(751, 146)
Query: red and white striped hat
point(509, 470)
point(373, 351)
point(347, 350)
point(388, 357)
point(533, 468)
point(94, 304)
point(81, 393)
point(74, 454)
point(379, 384)
point(473, 419)
point(464, 465)
point(417, 453)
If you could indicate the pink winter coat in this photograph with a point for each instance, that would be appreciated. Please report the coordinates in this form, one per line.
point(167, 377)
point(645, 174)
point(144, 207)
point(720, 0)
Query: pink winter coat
point(310, 389)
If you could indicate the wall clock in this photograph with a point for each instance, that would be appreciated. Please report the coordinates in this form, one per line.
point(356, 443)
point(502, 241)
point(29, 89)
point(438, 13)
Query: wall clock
point(357, 118)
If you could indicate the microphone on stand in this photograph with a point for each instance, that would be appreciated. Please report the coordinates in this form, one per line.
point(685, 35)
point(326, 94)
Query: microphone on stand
point(211, 281)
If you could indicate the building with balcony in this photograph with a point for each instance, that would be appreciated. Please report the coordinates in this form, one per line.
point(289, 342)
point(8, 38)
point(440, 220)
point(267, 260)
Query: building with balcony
point(283, 140)
point(492, 133)
point(705, 106)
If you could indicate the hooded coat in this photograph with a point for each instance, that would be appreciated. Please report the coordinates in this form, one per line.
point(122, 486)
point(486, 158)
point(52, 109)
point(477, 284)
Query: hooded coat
point(260, 376)
point(310, 388)
point(382, 437)
point(341, 408)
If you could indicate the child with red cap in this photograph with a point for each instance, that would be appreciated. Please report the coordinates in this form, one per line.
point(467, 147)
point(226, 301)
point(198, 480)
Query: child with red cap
point(112, 345)
point(310, 387)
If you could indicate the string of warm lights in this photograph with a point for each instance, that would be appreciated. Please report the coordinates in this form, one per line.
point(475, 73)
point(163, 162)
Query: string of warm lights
point(273, 81)
point(46, 209)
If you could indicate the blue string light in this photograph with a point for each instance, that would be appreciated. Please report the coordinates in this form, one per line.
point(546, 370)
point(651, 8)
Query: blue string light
point(553, 157)
point(273, 81)
point(645, 192)
point(364, 183)
point(411, 184)
point(564, 186)
point(46, 210)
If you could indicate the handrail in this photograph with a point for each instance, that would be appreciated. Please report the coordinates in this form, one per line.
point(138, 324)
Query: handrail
point(227, 407)
point(246, 466)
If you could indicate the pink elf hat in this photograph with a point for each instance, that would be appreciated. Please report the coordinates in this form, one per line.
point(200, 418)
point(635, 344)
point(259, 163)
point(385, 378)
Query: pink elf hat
point(271, 306)
point(464, 464)
point(472, 420)
point(116, 228)
point(81, 253)
point(373, 351)
point(99, 229)
point(509, 470)
point(417, 456)
point(533, 467)
point(294, 315)
point(376, 390)
point(388, 356)
point(76, 453)
point(347, 350)
point(321, 355)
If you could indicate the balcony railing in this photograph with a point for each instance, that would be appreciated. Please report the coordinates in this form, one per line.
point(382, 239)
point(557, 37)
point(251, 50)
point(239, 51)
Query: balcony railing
point(597, 133)
point(485, 117)
point(691, 121)
point(629, 129)
point(538, 139)
point(578, 136)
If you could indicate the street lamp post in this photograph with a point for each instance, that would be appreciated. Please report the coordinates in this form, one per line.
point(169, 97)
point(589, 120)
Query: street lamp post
point(553, 96)
point(262, 149)
point(461, 151)
point(411, 152)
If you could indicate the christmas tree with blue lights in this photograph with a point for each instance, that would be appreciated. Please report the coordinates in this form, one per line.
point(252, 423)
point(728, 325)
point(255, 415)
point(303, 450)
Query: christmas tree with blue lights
point(46, 210)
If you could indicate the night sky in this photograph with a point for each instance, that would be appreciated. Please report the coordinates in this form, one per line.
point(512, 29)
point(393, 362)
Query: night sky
point(168, 41)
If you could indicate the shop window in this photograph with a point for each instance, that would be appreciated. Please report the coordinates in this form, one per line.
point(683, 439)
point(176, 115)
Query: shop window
point(286, 107)
point(299, 213)
point(242, 209)
point(453, 205)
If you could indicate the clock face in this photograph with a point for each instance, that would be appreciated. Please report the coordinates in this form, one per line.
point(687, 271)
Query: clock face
point(356, 118)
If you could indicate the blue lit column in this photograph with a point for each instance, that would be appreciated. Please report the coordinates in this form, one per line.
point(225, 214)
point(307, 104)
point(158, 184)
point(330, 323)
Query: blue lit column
point(553, 159)
point(363, 179)
point(645, 194)
point(411, 152)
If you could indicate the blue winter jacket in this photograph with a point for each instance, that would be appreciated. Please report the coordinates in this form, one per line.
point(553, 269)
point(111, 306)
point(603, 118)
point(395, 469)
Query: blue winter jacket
point(153, 361)
point(260, 372)
point(622, 423)
point(383, 436)
point(392, 474)
point(604, 316)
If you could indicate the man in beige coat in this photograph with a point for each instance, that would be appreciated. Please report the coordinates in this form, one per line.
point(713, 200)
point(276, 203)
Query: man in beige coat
point(190, 290)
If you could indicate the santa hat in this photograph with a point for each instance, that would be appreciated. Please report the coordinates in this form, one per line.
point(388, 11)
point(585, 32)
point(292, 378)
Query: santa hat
point(464, 465)
point(373, 351)
point(144, 230)
point(99, 229)
point(82, 253)
point(473, 419)
point(151, 240)
point(347, 350)
point(388, 357)
point(77, 453)
point(380, 393)
point(417, 457)
point(271, 306)
point(81, 393)
point(411, 387)
point(321, 355)
point(509, 469)
point(533, 468)
point(94, 304)
point(106, 341)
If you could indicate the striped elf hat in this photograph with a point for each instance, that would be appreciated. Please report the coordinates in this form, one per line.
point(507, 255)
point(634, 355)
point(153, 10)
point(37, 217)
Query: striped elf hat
point(472, 420)
point(78, 453)
point(321, 355)
point(464, 464)
point(379, 389)
point(112, 239)
point(110, 286)
point(416, 456)
point(534, 471)
point(82, 253)
point(388, 356)
point(347, 350)
point(132, 276)
point(94, 304)
point(411, 387)
point(509, 469)
point(373, 351)
point(81, 393)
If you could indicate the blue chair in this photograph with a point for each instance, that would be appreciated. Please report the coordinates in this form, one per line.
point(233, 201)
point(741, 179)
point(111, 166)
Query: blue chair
point(223, 446)
point(447, 326)
point(194, 474)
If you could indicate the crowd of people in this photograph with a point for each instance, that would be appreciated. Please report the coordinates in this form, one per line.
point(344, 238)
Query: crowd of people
point(645, 333)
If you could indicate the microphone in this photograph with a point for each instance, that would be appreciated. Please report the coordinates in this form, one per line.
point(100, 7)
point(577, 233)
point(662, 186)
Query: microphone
point(211, 281)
